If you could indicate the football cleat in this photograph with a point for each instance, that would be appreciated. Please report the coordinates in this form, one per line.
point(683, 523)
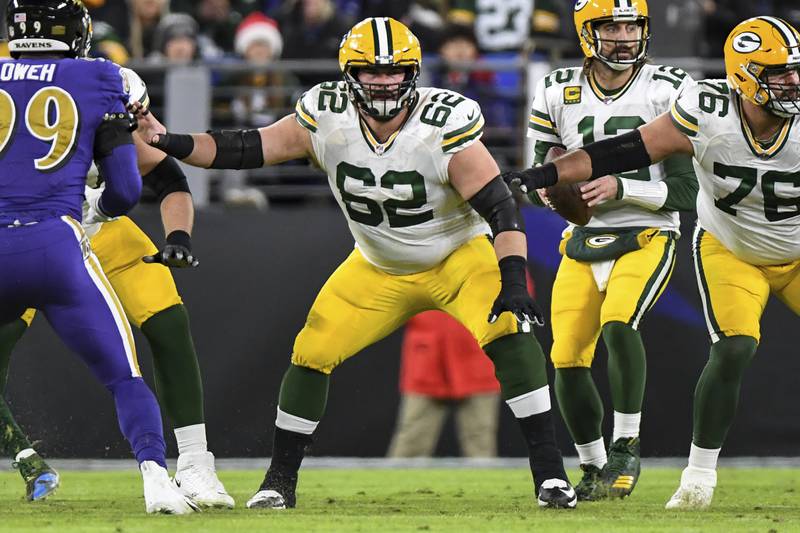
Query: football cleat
point(266, 499)
point(277, 491)
point(591, 487)
point(696, 490)
point(621, 473)
point(196, 477)
point(160, 494)
point(40, 480)
point(557, 494)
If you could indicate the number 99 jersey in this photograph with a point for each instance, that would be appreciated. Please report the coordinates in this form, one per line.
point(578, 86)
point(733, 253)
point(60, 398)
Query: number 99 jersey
point(49, 112)
point(749, 194)
point(402, 211)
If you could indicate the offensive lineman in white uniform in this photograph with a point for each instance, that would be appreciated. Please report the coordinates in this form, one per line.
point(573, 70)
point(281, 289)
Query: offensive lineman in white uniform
point(413, 179)
point(747, 244)
point(609, 288)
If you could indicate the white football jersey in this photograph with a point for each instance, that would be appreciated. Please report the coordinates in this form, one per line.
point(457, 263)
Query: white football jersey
point(402, 211)
point(570, 109)
point(749, 194)
point(137, 91)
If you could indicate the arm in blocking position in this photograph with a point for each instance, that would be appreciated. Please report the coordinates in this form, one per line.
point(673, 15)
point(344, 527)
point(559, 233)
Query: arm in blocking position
point(474, 174)
point(631, 151)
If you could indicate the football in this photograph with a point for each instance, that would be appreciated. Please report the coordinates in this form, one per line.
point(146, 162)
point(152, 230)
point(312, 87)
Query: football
point(566, 197)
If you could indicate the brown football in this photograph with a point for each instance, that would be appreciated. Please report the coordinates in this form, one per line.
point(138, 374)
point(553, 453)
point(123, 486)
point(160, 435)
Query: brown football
point(566, 197)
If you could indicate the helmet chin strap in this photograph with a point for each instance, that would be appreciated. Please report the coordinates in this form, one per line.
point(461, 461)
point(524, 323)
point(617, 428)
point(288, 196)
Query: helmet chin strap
point(619, 67)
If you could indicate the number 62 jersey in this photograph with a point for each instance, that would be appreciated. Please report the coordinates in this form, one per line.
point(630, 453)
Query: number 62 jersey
point(402, 211)
point(749, 194)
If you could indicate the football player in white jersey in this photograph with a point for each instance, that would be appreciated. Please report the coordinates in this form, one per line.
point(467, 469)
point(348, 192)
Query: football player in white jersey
point(608, 285)
point(413, 179)
point(151, 302)
point(743, 134)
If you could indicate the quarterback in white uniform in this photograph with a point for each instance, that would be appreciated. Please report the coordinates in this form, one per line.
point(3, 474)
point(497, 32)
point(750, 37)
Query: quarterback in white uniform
point(742, 132)
point(609, 289)
point(415, 184)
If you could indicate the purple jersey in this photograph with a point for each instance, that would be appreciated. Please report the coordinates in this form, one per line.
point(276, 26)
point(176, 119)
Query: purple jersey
point(49, 112)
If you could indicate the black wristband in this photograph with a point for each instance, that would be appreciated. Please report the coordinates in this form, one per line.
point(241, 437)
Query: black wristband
point(178, 145)
point(513, 271)
point(180, 238)
point(542, 176)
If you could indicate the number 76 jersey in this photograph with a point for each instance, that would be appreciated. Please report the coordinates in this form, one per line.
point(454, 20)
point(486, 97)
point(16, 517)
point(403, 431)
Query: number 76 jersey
point(402, 211)
point(749, 194)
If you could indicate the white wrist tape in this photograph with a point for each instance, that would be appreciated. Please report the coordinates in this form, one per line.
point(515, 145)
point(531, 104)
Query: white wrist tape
point(646, 194)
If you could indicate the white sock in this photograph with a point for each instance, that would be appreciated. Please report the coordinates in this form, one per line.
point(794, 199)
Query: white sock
point(703, 457)
point(593, 453)
point(24, 454)
point(531, 403)
point(626, 425)
point(191, 439)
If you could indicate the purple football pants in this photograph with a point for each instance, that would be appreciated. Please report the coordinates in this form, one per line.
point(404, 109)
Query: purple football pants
point(49, 266)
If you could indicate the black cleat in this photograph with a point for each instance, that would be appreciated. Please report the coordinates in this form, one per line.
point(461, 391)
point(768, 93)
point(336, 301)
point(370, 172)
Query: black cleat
point(557, 494)
point(40, 480)
point(621, 473)
point(277, 491)
point(591, 487)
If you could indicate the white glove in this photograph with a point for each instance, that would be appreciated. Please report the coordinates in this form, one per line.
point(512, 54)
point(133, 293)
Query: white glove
point(92, 214)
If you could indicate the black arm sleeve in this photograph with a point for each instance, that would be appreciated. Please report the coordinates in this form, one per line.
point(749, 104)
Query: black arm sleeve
point(618, 154)
point(166, 178)
point(237, 149)
point(496, 204)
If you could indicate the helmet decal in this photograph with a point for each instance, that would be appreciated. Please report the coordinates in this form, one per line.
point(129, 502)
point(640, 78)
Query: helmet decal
point(746, 42)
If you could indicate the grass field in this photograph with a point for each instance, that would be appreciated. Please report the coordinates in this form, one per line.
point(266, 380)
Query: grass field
point(456, 500)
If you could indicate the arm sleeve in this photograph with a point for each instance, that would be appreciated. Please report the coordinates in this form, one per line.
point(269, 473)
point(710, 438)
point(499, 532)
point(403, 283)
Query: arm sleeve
point(135, 87)
point(462, 128)
point(681, 184)
point(123, 183)
point(687, 116)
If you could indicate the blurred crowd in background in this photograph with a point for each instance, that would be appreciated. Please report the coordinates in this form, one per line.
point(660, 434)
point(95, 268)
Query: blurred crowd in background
point(243, 41)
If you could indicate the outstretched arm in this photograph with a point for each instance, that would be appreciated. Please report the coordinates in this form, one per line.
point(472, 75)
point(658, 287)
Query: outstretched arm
point(475, 175)
point(640, 148)
point(239, 149)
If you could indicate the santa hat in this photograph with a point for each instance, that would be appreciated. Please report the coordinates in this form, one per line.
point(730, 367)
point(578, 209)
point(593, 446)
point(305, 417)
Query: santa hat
point(258, 27)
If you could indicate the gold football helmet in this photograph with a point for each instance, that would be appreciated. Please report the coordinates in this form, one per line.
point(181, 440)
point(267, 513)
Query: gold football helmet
point(590, 14)
point(378, 43)
point(759, 50)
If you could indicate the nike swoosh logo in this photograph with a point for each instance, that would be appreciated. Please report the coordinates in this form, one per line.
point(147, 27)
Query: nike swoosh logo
point(471, 114)
point(177, 483)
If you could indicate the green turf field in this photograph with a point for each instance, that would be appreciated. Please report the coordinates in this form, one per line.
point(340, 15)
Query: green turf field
point(409, 500)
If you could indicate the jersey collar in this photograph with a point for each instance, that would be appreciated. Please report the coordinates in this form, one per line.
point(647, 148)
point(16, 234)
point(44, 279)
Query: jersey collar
point(607, 96)
point(763, 149)
point(381, 148)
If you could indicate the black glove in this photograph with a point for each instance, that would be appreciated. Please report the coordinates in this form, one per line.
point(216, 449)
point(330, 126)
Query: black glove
point(514, 295)
point(532, 178)
point(177, 253)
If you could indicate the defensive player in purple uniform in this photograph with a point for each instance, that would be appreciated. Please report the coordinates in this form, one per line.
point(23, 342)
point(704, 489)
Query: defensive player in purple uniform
point(58, 112)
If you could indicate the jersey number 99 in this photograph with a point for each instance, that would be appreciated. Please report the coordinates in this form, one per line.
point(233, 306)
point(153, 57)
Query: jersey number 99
point(61, 132)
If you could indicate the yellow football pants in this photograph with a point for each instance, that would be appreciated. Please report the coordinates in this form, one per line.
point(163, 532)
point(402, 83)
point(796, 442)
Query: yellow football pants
point(360, 304)
point(579, 310)
point(144, 289)
point(734, 293)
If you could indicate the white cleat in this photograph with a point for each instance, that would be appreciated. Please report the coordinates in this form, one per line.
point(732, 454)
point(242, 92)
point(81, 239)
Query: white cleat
point(196, 477)
point(266, 499)
point(696, 490)
point(160, 494)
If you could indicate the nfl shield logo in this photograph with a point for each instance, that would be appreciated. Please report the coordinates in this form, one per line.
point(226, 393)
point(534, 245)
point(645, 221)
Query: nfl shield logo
point(20, 17)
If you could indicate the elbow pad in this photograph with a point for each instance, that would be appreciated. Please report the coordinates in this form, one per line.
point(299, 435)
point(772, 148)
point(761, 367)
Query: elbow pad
point(115, 130)
point(618, 154)
point(166, 178)
point(497, 206)
point(237, 149)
